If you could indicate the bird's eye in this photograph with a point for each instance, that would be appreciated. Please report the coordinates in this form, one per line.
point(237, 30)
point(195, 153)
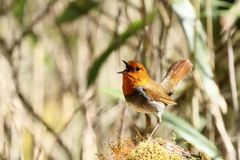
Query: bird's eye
point(138, 69)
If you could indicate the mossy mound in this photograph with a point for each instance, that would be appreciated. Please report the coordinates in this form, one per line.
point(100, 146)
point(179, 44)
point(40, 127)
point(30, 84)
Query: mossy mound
point(149, 150)
point(125, 149)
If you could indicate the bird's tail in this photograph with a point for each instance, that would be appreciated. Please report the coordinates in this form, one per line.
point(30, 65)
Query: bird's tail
point(176, 74)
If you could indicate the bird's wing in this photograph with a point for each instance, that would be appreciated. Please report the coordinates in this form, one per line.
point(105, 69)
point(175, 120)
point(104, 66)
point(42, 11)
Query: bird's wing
point(156, 92)
point(175, 74)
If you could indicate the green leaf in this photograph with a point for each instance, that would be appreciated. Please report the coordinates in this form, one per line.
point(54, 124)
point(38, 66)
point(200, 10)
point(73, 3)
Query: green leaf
point(191, 135)
point(76, 9)
point(112, 92)
point(115, 43)
point(220, 3)
point(187, 16)
point(18, 9)
point(33, 37)
point(218, 12)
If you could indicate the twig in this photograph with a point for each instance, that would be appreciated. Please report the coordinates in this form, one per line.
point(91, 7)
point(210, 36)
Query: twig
point(229, 95)
point(30, 110)
point(209, 26)
point(30, 27)
point(5, 9)
point(222, 130)
point(233, 86)
point(63, 128)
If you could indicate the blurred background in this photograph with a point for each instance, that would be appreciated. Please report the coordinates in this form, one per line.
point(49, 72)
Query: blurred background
point(60, 94)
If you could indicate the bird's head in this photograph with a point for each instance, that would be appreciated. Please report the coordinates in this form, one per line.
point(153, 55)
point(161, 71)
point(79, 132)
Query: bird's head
point(134, 75)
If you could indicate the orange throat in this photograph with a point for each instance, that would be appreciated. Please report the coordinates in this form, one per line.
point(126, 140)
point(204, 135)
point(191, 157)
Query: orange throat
point(131, 82)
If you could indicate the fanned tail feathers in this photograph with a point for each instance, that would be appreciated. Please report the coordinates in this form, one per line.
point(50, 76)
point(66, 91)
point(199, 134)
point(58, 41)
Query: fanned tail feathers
point(176, 74)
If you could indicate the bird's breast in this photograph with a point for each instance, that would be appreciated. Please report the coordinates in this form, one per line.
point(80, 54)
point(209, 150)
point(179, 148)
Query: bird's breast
point(141, 103)
point(131, 81)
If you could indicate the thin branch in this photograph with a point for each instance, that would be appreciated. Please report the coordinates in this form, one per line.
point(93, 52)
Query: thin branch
point(5, 9)
point(30, 27)
point(222, 130)
point(234, 90)
point(63, 128)
point(228, 95)
point(30, 110)
point(209, 26)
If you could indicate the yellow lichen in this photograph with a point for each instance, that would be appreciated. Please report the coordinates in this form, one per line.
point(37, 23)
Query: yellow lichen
point(149, 150)
point(203, 156)
point(123, 148)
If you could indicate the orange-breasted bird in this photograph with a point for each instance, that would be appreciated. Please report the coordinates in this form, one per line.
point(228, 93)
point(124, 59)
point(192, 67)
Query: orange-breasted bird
point(147, 96)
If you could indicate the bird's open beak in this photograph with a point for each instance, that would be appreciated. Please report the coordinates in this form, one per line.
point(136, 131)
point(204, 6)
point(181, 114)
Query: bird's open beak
point(125, 71)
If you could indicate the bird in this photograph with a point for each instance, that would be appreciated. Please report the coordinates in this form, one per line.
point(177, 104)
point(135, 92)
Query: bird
point(146, 95)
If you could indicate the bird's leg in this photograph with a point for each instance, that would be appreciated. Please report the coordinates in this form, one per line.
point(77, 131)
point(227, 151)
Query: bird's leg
point(159, 119)
point(148, 123)
point(138, 133)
